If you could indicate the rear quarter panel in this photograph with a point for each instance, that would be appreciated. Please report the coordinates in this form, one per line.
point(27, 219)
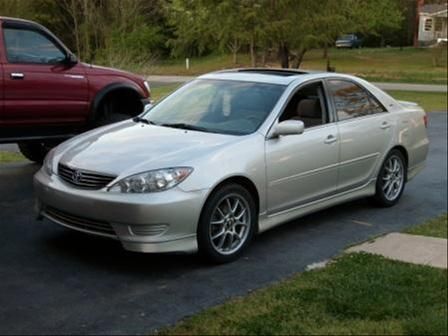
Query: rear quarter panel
point(411, 134)
point(408, 127)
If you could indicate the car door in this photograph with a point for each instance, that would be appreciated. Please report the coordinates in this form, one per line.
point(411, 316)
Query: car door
point(39, 86)
point(365, 132)
point(302, 168)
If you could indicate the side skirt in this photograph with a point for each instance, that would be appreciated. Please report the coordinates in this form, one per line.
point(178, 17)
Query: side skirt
point(266, 222)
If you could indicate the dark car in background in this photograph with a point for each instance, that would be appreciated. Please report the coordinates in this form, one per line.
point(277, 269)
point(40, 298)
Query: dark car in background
point(48, 95)
point(348, 41)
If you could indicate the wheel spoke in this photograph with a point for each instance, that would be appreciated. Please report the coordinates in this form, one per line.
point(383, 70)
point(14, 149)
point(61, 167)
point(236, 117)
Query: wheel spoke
point(219, 234)
point(396, 166)
point(241, 214)
point(241, 233)
point(221, 241)
point(229, 206)
point(219, 222)
point(389, 190)
point(231, 240)
point(235, 207)
point(387, 177)
point(221, 213)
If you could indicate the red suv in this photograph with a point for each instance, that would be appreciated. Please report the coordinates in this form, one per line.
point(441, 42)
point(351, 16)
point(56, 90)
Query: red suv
point(47, 95)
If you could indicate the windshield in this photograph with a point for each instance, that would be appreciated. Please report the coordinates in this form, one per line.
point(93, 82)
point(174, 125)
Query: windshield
point(346, 37)
point(219, 106)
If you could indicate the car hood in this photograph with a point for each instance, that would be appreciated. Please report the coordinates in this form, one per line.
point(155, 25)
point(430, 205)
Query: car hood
point(128, 147)
point(105, 71)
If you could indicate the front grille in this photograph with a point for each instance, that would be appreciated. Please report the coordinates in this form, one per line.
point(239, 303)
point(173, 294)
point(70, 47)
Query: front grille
point(84, 179)
point(76, 222)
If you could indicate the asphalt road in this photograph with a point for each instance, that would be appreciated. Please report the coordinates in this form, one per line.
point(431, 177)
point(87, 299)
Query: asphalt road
point(55, 281)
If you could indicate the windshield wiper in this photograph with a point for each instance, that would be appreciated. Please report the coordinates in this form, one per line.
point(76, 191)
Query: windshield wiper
point(186, 127)
point(143, 120)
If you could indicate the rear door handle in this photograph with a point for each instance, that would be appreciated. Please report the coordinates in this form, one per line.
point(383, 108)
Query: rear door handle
point(330, 139)
point(17, 75)
point(385, 125)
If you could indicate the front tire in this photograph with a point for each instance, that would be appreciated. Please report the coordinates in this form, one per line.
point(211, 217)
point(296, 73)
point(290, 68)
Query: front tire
point(34, 151)
point(227, 224)
point(391, 179)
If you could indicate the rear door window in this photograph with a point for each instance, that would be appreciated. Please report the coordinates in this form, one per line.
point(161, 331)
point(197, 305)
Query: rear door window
point(352, 101)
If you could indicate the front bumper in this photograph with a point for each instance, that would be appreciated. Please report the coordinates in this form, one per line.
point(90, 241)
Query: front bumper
point(344, 45)
point(153, 222)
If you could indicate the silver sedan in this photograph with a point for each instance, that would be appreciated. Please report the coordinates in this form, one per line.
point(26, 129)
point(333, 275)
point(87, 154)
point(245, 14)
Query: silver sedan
point(232, 154)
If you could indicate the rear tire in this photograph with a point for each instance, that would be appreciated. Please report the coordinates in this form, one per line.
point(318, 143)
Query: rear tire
point(391, 179)
point(34, 151)
point(227, 224)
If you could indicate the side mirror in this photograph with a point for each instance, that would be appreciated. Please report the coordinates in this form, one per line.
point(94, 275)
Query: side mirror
point(70, 59)
point(288, 127)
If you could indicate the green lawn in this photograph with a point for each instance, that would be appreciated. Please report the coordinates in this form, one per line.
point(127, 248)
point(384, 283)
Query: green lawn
point(430, 101)
point(408, 65)
point(158, 93)
point(434, 228)
point(6, 157)
point(356, 294)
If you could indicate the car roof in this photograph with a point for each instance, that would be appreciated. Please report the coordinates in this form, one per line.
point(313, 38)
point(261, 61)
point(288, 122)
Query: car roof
point(266, 75)
point(18, 20)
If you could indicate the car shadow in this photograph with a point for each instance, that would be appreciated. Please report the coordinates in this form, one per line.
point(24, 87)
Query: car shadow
point(96, 252)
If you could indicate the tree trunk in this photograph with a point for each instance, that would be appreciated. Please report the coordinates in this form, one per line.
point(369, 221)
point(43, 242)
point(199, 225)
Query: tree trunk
point(263, 57)
point(76, 27)
point(283, 55)
point(234, 48)
point(325, 54)
point(253, 59)
point(86, 31)
point(299, 58)
point(235, 56)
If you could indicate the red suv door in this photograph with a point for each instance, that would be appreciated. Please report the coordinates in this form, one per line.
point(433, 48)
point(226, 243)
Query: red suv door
point(40, 85)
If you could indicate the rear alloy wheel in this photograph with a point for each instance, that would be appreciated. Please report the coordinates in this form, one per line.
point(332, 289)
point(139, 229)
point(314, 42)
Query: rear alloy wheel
point(227, 224)
point(34, 151)
point(391, 179)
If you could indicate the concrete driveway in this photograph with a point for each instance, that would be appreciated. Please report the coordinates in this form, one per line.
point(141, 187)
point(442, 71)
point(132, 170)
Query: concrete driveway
point(56, 281)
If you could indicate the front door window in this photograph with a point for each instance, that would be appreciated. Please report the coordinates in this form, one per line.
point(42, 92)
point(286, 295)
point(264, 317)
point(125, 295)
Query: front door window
point(30, 47)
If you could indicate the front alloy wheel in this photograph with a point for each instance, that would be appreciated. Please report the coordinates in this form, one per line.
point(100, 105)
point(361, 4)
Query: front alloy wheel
point(391, 179)
point(227, 224)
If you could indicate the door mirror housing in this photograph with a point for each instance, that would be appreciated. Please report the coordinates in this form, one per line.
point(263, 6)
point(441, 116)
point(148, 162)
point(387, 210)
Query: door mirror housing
point(71, 59)
point(288, 127)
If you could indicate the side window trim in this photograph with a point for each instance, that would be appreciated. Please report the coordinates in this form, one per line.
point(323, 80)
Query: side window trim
point(331, 111)
point(370, 96)
point(42, 32)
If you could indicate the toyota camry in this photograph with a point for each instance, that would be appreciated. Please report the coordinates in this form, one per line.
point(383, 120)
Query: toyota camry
point(232, 154)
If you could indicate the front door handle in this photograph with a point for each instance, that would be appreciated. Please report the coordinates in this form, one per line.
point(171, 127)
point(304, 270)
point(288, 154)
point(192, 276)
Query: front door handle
point(17, 75)
point(385, 125)
point(330, 139)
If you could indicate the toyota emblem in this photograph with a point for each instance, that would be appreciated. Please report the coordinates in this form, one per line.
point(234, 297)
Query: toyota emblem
point(77, 176)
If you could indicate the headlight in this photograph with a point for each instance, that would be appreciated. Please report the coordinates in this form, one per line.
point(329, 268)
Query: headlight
point(48, 162)
point(146, 84)
point(152, 181)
